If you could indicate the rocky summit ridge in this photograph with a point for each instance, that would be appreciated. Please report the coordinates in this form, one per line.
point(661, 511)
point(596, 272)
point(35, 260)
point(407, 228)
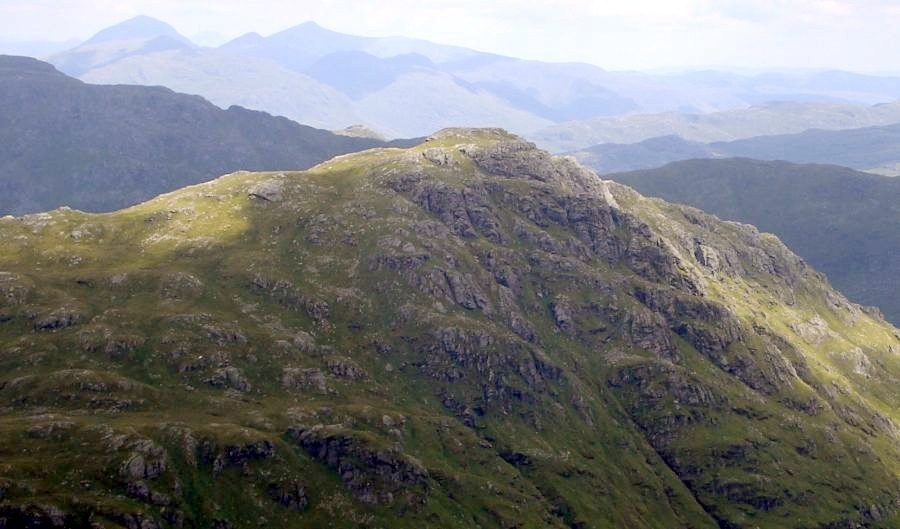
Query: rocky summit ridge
point(466, 333)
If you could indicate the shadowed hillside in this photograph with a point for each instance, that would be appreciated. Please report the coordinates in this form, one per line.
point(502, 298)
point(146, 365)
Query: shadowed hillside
point(100, 148)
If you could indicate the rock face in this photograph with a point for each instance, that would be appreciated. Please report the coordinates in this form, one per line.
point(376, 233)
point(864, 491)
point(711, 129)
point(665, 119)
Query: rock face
point(467, 333)
point(809, 207)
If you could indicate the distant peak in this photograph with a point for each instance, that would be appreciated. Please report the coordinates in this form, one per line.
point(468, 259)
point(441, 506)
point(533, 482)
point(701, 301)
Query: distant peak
point(245, 39)
point(139, 27)
point(144, 19)
point(308, 27)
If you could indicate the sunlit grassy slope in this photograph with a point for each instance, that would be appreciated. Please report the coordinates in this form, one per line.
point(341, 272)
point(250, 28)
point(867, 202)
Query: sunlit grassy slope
point(468, 333)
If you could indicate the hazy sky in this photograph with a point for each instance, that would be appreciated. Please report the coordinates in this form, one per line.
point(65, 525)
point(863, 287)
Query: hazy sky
point(616, 34)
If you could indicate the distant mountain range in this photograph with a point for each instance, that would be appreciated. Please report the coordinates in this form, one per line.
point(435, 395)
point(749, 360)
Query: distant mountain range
point(781, 117)
point(845, 223)
point(873, 149)
point(333, 80)
point(100, 148)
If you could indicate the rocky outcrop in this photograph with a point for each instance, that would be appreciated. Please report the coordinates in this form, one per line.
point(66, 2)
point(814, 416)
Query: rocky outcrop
point(268, 191)
point(375, 476)
point(147, 461)
point(290, 494)
point(290, 296)
point(309, 379)
point(58, 319)
point(346, 368)
point(229, 377)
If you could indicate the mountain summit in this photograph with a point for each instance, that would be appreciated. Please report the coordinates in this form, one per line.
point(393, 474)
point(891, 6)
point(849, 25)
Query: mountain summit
point(466, 333)
point(135, 37)
point(139, 27)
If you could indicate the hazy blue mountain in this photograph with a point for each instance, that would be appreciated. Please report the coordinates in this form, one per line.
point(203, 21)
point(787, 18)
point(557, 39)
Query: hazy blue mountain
point(655, 152)
point(865, 148)
point(843, 222)
point(357, 73)
point(333, 80)
point(226, 79)
point(785, 117)
point(139, 36)
point(99, 148)
point(873, 149)
point(301, 46)
point(139, 27)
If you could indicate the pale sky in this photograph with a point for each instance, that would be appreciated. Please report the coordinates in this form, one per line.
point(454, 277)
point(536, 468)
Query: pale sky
point(859, 35)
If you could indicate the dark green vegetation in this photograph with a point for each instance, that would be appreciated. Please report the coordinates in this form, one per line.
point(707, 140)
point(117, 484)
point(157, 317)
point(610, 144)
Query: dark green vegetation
point(874, 149)
point(101, 148)
point(844, 223)
point(468, 333)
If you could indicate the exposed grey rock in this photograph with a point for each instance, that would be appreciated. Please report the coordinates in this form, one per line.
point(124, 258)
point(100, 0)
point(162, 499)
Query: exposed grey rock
point(140, 491)
point(147, 460)
point(268, 191)
point(814, 331)
point(291, 494)
point(229, 377)
point(49, 429)
point(304, 379)
point(223, 335)
point(375, 477)
point(290, 296)
point(439, 157)
point(346, 368)
point(305, 342)
point(58, 319)
point(563, 314)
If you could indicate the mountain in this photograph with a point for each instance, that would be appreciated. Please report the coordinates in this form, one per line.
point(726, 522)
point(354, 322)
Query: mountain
point(467, 333)
point(867, 148)
point(140, 27)
point(227, 80)
point(101, 148)
point(842, 222)
point(301, 46)
point(334, 80)
point(609, 158)
point(135, 37)
point(873, 149)
point(767, 119)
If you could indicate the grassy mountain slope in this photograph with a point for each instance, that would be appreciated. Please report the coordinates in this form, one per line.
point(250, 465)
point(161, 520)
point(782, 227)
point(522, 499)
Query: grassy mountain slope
point(100, 148)
point(843, 222)
point(467, 333)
